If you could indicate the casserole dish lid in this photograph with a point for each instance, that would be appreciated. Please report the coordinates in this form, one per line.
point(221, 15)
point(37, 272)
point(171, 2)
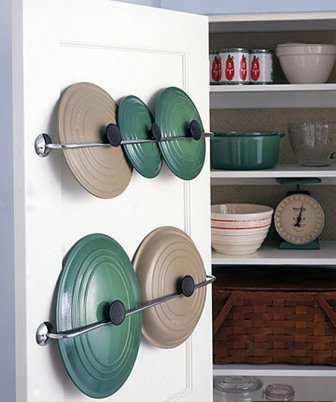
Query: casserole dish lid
point(174, 113)
point(95, 272)
point(135, 121)
point(164, 256)
point(83, 112)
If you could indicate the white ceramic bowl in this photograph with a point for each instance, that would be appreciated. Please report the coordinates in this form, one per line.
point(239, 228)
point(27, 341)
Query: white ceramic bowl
point(239, 232)
point(306, 63)
point(253, 224)
point(237, 239)
point(238, 229)
point(237, 245)
point(240, 212)
point(305, 48)
point(229, 249)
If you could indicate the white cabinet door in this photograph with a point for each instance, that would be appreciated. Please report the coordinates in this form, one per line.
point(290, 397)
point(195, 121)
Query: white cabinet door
point(125, 49)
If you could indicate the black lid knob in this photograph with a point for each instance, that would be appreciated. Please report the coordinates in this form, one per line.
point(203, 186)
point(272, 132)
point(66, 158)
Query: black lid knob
point(113, 135)
point(195, 130)
point(156, 132)
point(117, 312)
point(187, 286)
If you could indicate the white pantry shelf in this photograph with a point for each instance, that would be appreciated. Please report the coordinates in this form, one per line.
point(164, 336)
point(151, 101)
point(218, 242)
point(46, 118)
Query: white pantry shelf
point(306, 21)
point(270, 254)
point(272, 96)
point(277, 370)
point(255, 177)
point(311, 383)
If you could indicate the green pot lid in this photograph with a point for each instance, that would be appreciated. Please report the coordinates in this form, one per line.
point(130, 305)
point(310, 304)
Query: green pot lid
point(174, 113)
point(165, 256)
point(134, 121)
point(96, 272)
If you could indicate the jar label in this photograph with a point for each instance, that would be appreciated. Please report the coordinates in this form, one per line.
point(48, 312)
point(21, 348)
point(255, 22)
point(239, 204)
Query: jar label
point(215, 69)
point(261, 68)
point(235, 67)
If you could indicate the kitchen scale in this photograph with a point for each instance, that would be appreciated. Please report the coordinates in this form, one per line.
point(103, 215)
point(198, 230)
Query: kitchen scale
point(299, 219)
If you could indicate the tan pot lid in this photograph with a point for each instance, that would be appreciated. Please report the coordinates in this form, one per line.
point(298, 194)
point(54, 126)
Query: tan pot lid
point(165, 256)
point(84, 111)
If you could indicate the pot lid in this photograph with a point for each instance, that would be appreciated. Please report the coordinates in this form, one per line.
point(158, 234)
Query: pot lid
point(96, 272)
point(135, 121)
point(174, 113)
point(165, 256)
point(83, 113)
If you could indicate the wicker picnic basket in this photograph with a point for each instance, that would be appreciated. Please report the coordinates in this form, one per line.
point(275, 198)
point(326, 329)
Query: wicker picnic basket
point(274, 315)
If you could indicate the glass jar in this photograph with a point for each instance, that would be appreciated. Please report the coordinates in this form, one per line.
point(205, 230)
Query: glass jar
point(235, 66)
point(279, 392)
point(237, 389)
point(261, 66)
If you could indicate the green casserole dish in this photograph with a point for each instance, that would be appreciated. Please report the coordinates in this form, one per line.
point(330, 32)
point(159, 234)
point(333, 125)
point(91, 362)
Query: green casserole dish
point(245, 150)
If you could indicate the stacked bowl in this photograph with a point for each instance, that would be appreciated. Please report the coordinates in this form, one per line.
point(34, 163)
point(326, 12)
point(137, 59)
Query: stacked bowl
point(305, 63)
point(238, 229)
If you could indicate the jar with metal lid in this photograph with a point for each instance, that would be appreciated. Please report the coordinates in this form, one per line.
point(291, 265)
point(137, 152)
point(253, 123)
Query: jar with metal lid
point(235, 66)
point(237, 389)
point(279, 393)
point(261, 66)
point(215, 64)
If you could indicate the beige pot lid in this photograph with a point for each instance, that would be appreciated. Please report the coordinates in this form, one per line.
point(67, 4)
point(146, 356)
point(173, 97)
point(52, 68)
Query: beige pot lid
point(165, 256)
point(83, 113)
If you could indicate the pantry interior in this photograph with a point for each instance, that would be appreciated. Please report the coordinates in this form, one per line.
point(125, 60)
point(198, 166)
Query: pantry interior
point(271, 108)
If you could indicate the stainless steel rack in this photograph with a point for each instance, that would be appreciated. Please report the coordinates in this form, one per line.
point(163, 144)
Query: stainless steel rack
point(117, 312)
point(112, 138)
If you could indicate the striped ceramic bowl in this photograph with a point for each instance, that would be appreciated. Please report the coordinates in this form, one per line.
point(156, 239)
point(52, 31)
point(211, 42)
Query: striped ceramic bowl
point(238, 229)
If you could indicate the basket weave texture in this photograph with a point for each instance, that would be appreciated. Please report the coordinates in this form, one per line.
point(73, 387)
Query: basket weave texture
point(275, 320)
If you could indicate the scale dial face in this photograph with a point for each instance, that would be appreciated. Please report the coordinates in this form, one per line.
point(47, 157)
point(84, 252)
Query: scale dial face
point(299, 219)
